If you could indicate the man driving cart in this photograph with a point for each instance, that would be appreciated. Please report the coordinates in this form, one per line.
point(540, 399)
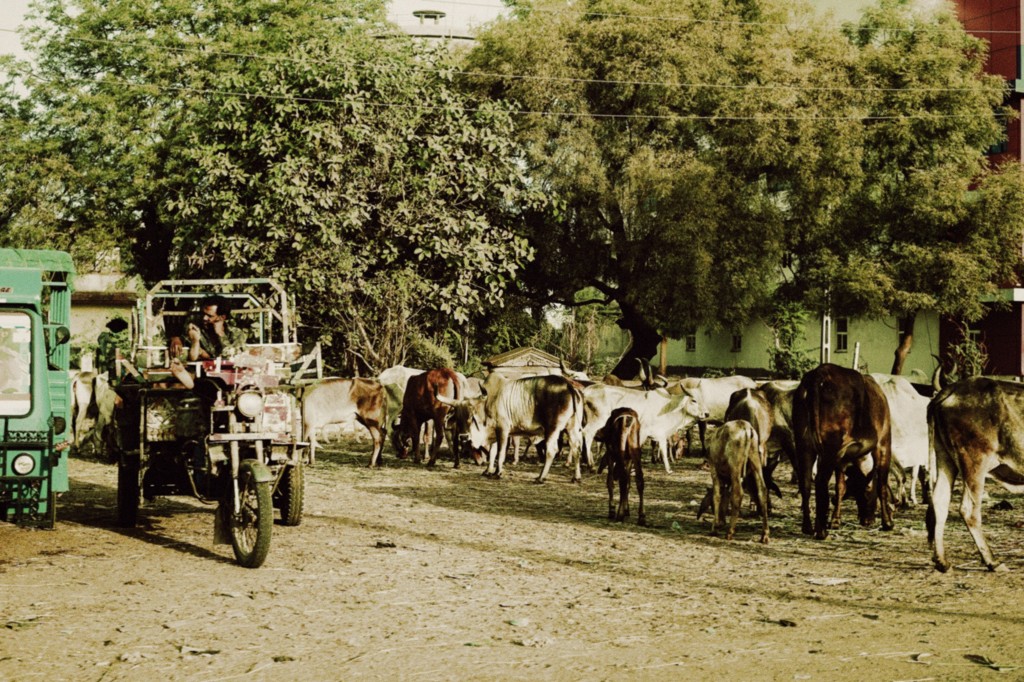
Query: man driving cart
point(214, 413)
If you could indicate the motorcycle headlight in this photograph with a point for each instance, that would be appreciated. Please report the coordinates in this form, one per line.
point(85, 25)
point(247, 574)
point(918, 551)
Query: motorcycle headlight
point(59, 424)
point(23, 464)
point(249, 404)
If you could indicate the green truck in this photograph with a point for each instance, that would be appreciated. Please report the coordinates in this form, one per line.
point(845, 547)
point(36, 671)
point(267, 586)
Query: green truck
point(35, 385)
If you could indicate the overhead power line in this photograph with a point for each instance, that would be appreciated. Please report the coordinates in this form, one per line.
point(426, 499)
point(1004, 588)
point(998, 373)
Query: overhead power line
point(206, 52)
point(519, 112)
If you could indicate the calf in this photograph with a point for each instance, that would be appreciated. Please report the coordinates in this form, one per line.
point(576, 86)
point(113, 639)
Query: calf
point(734, 453)
point(334, 401)
point(841, 420)
point(751, 405)
point(420, 405)
point(621, 436)
point(976, 431)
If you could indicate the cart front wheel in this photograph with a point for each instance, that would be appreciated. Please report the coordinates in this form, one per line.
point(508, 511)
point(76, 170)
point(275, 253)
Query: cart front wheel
point(252, 524)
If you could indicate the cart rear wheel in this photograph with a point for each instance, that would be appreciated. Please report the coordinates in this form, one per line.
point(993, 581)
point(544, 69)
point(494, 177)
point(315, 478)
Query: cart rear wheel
point(289, 496)
point(251, 526)
point(127, 491)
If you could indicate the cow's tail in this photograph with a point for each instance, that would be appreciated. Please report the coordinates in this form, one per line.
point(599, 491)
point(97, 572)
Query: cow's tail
point(812, 433)
point(93, 410)
point(938, 435)
point(578, 404)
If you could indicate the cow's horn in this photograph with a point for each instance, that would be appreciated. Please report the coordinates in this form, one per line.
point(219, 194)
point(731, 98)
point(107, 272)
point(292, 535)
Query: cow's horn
point(445, 400)
point(937, 382)
point(645, 370)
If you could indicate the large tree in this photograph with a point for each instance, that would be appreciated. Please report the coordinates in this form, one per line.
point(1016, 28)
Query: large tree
point(304, 139)
point(930, 226)
point(689, 144)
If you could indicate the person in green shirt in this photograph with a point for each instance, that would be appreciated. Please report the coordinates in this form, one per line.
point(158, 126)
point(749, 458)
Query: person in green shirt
point(214, 336)
point(115, 336)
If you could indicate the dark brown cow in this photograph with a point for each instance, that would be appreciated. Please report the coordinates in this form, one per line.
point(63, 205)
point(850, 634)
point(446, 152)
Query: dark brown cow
point(976, 431)
point(339, 401)
point(841, 421)
point(419, 406)
point(621, 436)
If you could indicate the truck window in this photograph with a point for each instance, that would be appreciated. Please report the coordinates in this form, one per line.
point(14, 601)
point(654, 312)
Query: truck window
point(15, 364)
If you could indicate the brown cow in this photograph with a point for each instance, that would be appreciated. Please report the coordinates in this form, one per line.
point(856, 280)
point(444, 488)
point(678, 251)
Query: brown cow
point(419, 406)
point(734, 453)
point(621, 435)
point(334, 401)
point(841, 421)
point(976, 431)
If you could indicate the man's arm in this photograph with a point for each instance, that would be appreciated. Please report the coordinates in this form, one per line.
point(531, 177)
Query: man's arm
point(195, 351)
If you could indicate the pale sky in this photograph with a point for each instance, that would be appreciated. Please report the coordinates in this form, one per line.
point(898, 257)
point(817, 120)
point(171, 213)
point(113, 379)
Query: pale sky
point(460, 17)
point(12, 14)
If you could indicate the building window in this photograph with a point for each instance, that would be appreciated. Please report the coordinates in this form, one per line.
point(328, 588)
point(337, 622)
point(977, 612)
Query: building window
point(737, 343)
point(691, 341)
point(842, 326)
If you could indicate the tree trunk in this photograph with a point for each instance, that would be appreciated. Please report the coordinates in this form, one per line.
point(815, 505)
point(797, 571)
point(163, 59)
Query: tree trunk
point(644, 342)
point(903, 350)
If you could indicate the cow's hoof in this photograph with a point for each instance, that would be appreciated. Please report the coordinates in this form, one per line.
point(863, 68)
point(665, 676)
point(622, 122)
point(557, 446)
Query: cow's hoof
point(611, 516)
point(807, 530)
point(539, 480)
point(764, 539)
point(641, 520)
point(821, 534)
point(888, 526)
point(576, 479)
point(941, 565)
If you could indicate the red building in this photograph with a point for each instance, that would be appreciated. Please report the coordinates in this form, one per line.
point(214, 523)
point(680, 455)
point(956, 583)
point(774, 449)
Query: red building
point(999, 23)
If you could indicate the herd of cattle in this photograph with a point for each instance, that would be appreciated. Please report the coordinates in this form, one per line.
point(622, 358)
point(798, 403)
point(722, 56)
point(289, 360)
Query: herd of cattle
point(834, 424)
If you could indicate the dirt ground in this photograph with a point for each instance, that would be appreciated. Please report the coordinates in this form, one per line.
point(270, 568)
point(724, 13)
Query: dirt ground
point(408, 573)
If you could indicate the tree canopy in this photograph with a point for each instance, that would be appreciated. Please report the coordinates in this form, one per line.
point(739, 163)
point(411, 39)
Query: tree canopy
point(302, 139)
point(929, 225)
point(709, 156)
point(695, 162)
point(687, 144)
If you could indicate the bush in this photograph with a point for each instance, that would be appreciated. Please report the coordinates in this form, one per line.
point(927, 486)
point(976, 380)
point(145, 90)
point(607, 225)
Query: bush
point(427, 354)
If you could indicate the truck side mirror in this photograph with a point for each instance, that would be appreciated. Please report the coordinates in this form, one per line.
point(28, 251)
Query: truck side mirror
point(61, 335)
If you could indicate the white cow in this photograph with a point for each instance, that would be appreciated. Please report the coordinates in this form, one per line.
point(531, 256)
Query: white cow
point(713, 394)
point(394, 379)
point(92, 411)
point(541, 405)
point(908, 411)
point(661, 413)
